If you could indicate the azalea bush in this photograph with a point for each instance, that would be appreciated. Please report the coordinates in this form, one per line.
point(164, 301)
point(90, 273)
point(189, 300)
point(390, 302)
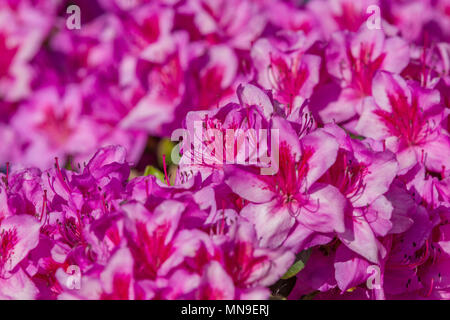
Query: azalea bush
point(224, 149)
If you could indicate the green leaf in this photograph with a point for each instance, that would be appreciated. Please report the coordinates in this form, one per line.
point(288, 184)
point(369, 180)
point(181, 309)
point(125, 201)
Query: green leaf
point(294, 269)
point(298, 266)
point(152, 171)
point(68, 165)
point(165, 147)
point(310, 296)
point(356, 137)
point(352, 135)
point(277, 297)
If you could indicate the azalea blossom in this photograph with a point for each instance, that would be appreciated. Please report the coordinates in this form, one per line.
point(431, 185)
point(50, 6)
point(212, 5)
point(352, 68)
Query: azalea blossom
point(409, 121)
point(224, 150)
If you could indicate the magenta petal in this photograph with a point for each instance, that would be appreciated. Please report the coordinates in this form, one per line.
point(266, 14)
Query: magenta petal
point(351, 269)
point(437, 153)
point(360, 238)
point(118, 274)
point(18, 287)
point(318, 274)
point(379, 215)
point(325, 148)
point(287, 135)
point(369, 124)
point(250, 95)
point(386, 85)
point(366, 38)
point(302, 238)
point(4, 209)
point(381, 172)
point(340, 110)
point(248, 185)
point(19, 234)
point(216, 284)
point(407, 159)
point(272, 222)
point(397, 55)
point(325, 210)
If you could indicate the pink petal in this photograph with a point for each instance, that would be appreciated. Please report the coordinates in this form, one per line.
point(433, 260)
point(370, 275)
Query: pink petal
point(250, 95)
point(359, 237)
point(365, 40)
point(272, 222)
point(385, 85)
point(351, 270)
point(397, 55)
point(248, 185)
point(216, 284)
point(18, 287)
point(379, 216)
point(370, 124)
point(325, 211)
point(325, 149)
point(26, 230)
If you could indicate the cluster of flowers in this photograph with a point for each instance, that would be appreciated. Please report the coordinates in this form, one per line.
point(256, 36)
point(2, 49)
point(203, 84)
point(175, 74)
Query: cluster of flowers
point(362, 152)
point(137, 239)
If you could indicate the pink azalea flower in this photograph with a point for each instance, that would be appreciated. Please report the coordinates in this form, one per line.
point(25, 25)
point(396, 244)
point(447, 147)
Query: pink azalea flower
point(237, 23)
point(18, 235)
point(244, 268)
point(341, 14)
point(213, 76)
point(164, 83)
point(215, 284)
point(18, 287)
point(248, 120)
point(294, 19)
point(363, 177)
point(409, 120)
point(148, 28)
point(23, 28)
point(409, 18)
point(55, 124)
point(287, 70)
point(353, 59)
point(249, 266)
point(441, 15)
point(291, 195)
point(114, 282)
point(433, 192)
point(156, 241)
point(343, 165)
